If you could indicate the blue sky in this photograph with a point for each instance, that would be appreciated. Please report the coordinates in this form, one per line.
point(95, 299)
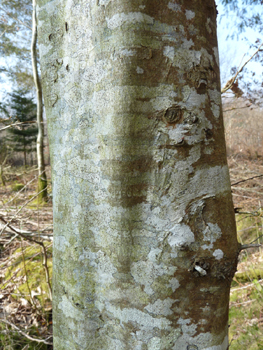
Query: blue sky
point(232, 50)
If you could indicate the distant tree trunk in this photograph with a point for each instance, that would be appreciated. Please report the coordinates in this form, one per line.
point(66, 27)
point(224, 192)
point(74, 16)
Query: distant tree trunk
point(24, 149)
point(42, 178)
point(145, 245)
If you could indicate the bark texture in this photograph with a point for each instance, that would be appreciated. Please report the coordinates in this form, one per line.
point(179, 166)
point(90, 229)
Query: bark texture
point(42, 178)
point(145, 245)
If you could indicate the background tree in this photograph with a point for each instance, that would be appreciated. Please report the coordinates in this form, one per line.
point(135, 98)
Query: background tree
point(145, 245)
point(16, 24)
point(15, 29)
point(246, 28)
point(22, 138)
point(42, 178)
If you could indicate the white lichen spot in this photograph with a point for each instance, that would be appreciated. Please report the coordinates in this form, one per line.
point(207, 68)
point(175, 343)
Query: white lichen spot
point(190, 330)
point(208, 25)
point(145, 320)
point(174, 7)
point(104, 2)
point(212, 232)
point(161, 307)
point(61, 243)
point(211, 290)
point(139, 70)
point(215, 110)
point(187, 44)
point(142, 7)
point(69, 310)
point(161, 103)
point(169, 52)
point(174, 283)
point(206, 309)
point(122, 53)
point(208, 150)
point(215, 96)
point(202, 339)
point(193, 99)
point(202, 321)
point(152, 256)
point(189, 14)
point(154, 344)
point(222, 346)
point(180, 234)
point(44, 49)
point(173, 94)
point(215, 49)
point(211, 181)
point(218, 254)
point(120, 19)
point(146, 272)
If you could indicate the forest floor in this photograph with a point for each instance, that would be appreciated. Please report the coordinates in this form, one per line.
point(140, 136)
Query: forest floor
point(25, 300)
point(246, 298)
point(26, 235)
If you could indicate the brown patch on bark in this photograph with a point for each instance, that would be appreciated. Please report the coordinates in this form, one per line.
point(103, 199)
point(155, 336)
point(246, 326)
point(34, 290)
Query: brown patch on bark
point(127, 195)
point(202, 297)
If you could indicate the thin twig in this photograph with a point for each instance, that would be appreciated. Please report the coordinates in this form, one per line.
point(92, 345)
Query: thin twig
point(44, 263)
point(17, 123)
point(18, 211)
point(250, 178)
point(234, 108)
point(243, 303)
point(19, 233)
point(3, 33)
point(247, 189)
point(231, 81)
point(247, 246)
point(25, 334)
point(256, 239)
point(16, 19)
point(245, 287)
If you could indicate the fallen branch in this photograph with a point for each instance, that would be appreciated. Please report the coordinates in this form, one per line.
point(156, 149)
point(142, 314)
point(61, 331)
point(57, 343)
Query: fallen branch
point(25, 334)
point(18, 211)
point(44, 263)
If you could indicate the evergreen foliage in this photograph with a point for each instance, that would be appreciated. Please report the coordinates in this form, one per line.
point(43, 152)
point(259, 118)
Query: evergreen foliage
point(15, 38)
point(22, 109)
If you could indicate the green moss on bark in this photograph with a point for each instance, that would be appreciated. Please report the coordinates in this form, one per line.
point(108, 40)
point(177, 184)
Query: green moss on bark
point(42, 188)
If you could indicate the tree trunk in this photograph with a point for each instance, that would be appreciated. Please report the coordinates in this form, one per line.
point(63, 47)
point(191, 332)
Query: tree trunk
point(42, 178)
point(145, 245)
point(24, 150)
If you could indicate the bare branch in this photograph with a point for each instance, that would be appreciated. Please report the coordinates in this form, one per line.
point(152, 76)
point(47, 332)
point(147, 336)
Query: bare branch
point(18, 211)
point(3, 33)
point(231, 81)
point(234, 108)
point(16, 19)
point(18, 232)
point(25, 334)
point(16, 123)
point(247, 246)
point(250, 178)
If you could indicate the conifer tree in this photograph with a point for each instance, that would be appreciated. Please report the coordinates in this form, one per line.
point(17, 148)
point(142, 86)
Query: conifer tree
point(23, 109)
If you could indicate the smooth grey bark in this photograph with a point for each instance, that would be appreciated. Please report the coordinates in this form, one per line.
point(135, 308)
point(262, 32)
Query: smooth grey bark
point(42, 178)
point(144, 230)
